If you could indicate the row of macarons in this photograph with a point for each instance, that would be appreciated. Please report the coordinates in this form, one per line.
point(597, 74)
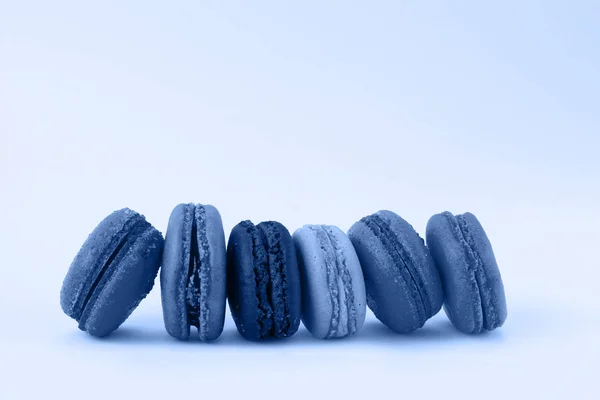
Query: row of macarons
point(272, 280)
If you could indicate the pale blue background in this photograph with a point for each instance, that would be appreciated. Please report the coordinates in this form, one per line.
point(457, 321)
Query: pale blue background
point(303, 112)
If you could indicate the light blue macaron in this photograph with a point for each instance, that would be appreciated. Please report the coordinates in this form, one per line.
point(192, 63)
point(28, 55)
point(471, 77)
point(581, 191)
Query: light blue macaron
point(333, 287)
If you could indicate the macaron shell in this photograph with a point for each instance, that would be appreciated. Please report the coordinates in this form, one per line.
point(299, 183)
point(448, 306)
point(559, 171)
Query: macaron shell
point(174, 273)
point(241, 285)
point(215, 289)
point(117, 296)
point(317, 304)
point(91, 258)
point(496, 312)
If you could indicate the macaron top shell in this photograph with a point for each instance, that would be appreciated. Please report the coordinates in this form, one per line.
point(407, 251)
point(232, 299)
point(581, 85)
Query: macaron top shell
point(193, 275)
point(333, 288)
point(474, 292)
point(263, 280)
point(113, 271)
point(403, 285)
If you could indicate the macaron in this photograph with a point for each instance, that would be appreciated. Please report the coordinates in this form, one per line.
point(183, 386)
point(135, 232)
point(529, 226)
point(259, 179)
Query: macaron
point(333, 288)
point(193, 272)
point(474, 293)
point(263, 282)
point(402, 283)
point(112, 272)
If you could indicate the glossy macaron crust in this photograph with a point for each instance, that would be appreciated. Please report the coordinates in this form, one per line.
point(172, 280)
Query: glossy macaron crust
point(474, 292)
point(112, 272)
point(193, 273)
point(263, 283)
point(333, 287)
point(402, 283)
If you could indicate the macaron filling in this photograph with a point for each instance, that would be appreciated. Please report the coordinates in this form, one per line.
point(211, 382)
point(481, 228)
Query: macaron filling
point(131, 231)
point(198, 279)
point(475, 265)
point(273, 314)
point(278, 279)
point(339, 282)
point(401, 258)
point(260, 266)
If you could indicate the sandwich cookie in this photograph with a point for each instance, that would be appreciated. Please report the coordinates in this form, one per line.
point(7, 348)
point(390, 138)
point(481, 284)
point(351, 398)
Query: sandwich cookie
point(402, 283)
point(192, 278)
point(474, 298)
point(263, 283)
point(112, 272)
point(333, 287)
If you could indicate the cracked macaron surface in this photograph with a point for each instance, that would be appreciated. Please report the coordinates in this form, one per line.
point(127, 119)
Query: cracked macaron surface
point(263, 285)
point(333, 288)
point(112, 272)
point(193, 272)
point(474, 293)
point(402, 284)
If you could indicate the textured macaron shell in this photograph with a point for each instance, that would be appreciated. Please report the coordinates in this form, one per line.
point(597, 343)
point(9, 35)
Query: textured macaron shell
point(263, 283)
point(175, 272)
point(333, 288)
point(113, 271)
point(474, 293)
point(402, 283)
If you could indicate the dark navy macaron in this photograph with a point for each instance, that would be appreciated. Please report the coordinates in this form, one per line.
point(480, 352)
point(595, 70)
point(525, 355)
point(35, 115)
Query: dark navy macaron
point(473, 289)
point(403, 286)
point(192, 277)
point(263, 282)
point(113, 271)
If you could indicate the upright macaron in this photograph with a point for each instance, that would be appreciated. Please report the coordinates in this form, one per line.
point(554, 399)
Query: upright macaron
point(474, 293)
point(263, 282)
point(112, 272)
point(193, 273)
point(333, 287)
point(402, 283)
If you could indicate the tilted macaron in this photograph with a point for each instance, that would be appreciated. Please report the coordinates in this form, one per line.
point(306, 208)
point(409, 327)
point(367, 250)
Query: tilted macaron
point(473, 289)
point(333, 288)
point(263, 283)
point(403, 285)
point(192, 277)
point(112, 272)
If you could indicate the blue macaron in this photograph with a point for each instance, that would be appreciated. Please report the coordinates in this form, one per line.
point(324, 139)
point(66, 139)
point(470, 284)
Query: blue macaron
point(473, 289)
point(403, 286)
point(333, 288)
point(263, 282)
point(112, 272)
point(193, 272)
